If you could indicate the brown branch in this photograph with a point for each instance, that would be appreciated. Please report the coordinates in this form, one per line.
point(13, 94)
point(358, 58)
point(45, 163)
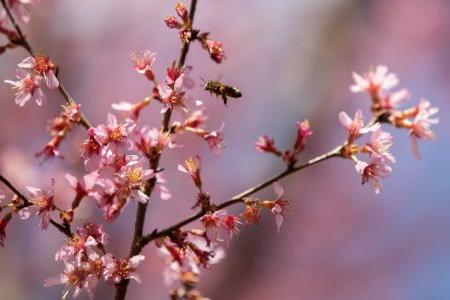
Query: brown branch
point(239, 198)
point(23, 42)
point(65, 229)
point(137, 245)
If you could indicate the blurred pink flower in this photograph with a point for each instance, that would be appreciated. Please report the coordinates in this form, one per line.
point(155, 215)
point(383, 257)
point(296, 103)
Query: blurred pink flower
point(374, 81)
point(118, 270)
point(421, 125)
point(41, 66)
point(372, 172)
point(42, 204)
point(27, 88)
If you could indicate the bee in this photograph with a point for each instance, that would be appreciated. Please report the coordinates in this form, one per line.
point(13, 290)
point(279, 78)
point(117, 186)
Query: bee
point(220, 89)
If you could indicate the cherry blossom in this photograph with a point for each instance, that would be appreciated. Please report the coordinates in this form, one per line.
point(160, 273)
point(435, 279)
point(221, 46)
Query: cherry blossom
point(372, 172)
point(76, 278)
point(380, 142)
point(114, 134)
point(42, 204)
point(421, 125)
point(27, 88)
point(82, 187)
point(192, 167)
point(118, 270)
point(374, 81)
point(215, 140)
point(41, 66)
point(20, 8)
point(279, 205)
point(356, 127)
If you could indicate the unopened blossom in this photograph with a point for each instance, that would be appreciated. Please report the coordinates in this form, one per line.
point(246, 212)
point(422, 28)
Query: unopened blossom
point(118, 270)
point(379, 145)
point(421, 125)
point(172, 22)
point(355, 127)
point(374, 81)
point(215, 50)
point(143, 62)
point(42, 204)
point(42, 66)
point(74, 278)
point(50, 150)
point(267, 144)
point(181, 10)
point(215, 140)
point(114, 134)
point(372, 172)
point(27, 88)
point(192, 167)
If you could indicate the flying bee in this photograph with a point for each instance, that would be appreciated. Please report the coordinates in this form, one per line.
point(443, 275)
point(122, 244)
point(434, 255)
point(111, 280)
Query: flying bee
point(220, 89)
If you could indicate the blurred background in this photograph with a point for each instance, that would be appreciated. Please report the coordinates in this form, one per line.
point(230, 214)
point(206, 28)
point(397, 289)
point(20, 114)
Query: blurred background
point(292, 60)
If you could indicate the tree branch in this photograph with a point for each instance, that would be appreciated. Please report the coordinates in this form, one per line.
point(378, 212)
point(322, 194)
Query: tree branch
point(239, 198)
point(22, 41)
point(65, 229)
point(136, 245)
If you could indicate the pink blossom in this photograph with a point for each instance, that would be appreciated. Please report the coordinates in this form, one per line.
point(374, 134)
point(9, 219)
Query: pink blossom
point(356, 127)
point(192, 167)
point(181, 10)
point(84, 186)
point(279, 205)
point(213, 220)
point(379, 145)
point(118, 270)
point(172, 22)
point(179, 77)
point(231, 224)
point(421, 125)
point(91, 151)
point(41, 66)
point(27, 88)
point(114, 134)
point(131, 178)
point(143, 62)
point(215, 140)
point(131, 110)
point(391, 101)
point(95, 231)
point(374, 81)
point(215, 50)
point(152, 140)
point(42, 204)
point(372, 172)
point(196, 119)
point(76, 278)
point(77, 244)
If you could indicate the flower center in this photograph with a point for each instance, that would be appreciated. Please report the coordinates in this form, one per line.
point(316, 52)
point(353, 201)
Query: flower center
point(116, 135)
point(134, 175)
point(42, 202)
point(41, 65)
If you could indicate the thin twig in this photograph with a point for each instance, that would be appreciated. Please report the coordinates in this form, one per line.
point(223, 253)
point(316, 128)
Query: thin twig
point(65, 229)
point(22, 41)
point(239, 198)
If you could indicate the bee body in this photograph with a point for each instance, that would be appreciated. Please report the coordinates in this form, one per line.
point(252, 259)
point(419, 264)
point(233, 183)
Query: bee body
point(220, 89)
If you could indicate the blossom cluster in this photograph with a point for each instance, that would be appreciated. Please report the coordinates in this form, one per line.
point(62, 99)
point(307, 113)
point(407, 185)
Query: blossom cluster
point(121, 164)
point(86, 262)
point(188, 34)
